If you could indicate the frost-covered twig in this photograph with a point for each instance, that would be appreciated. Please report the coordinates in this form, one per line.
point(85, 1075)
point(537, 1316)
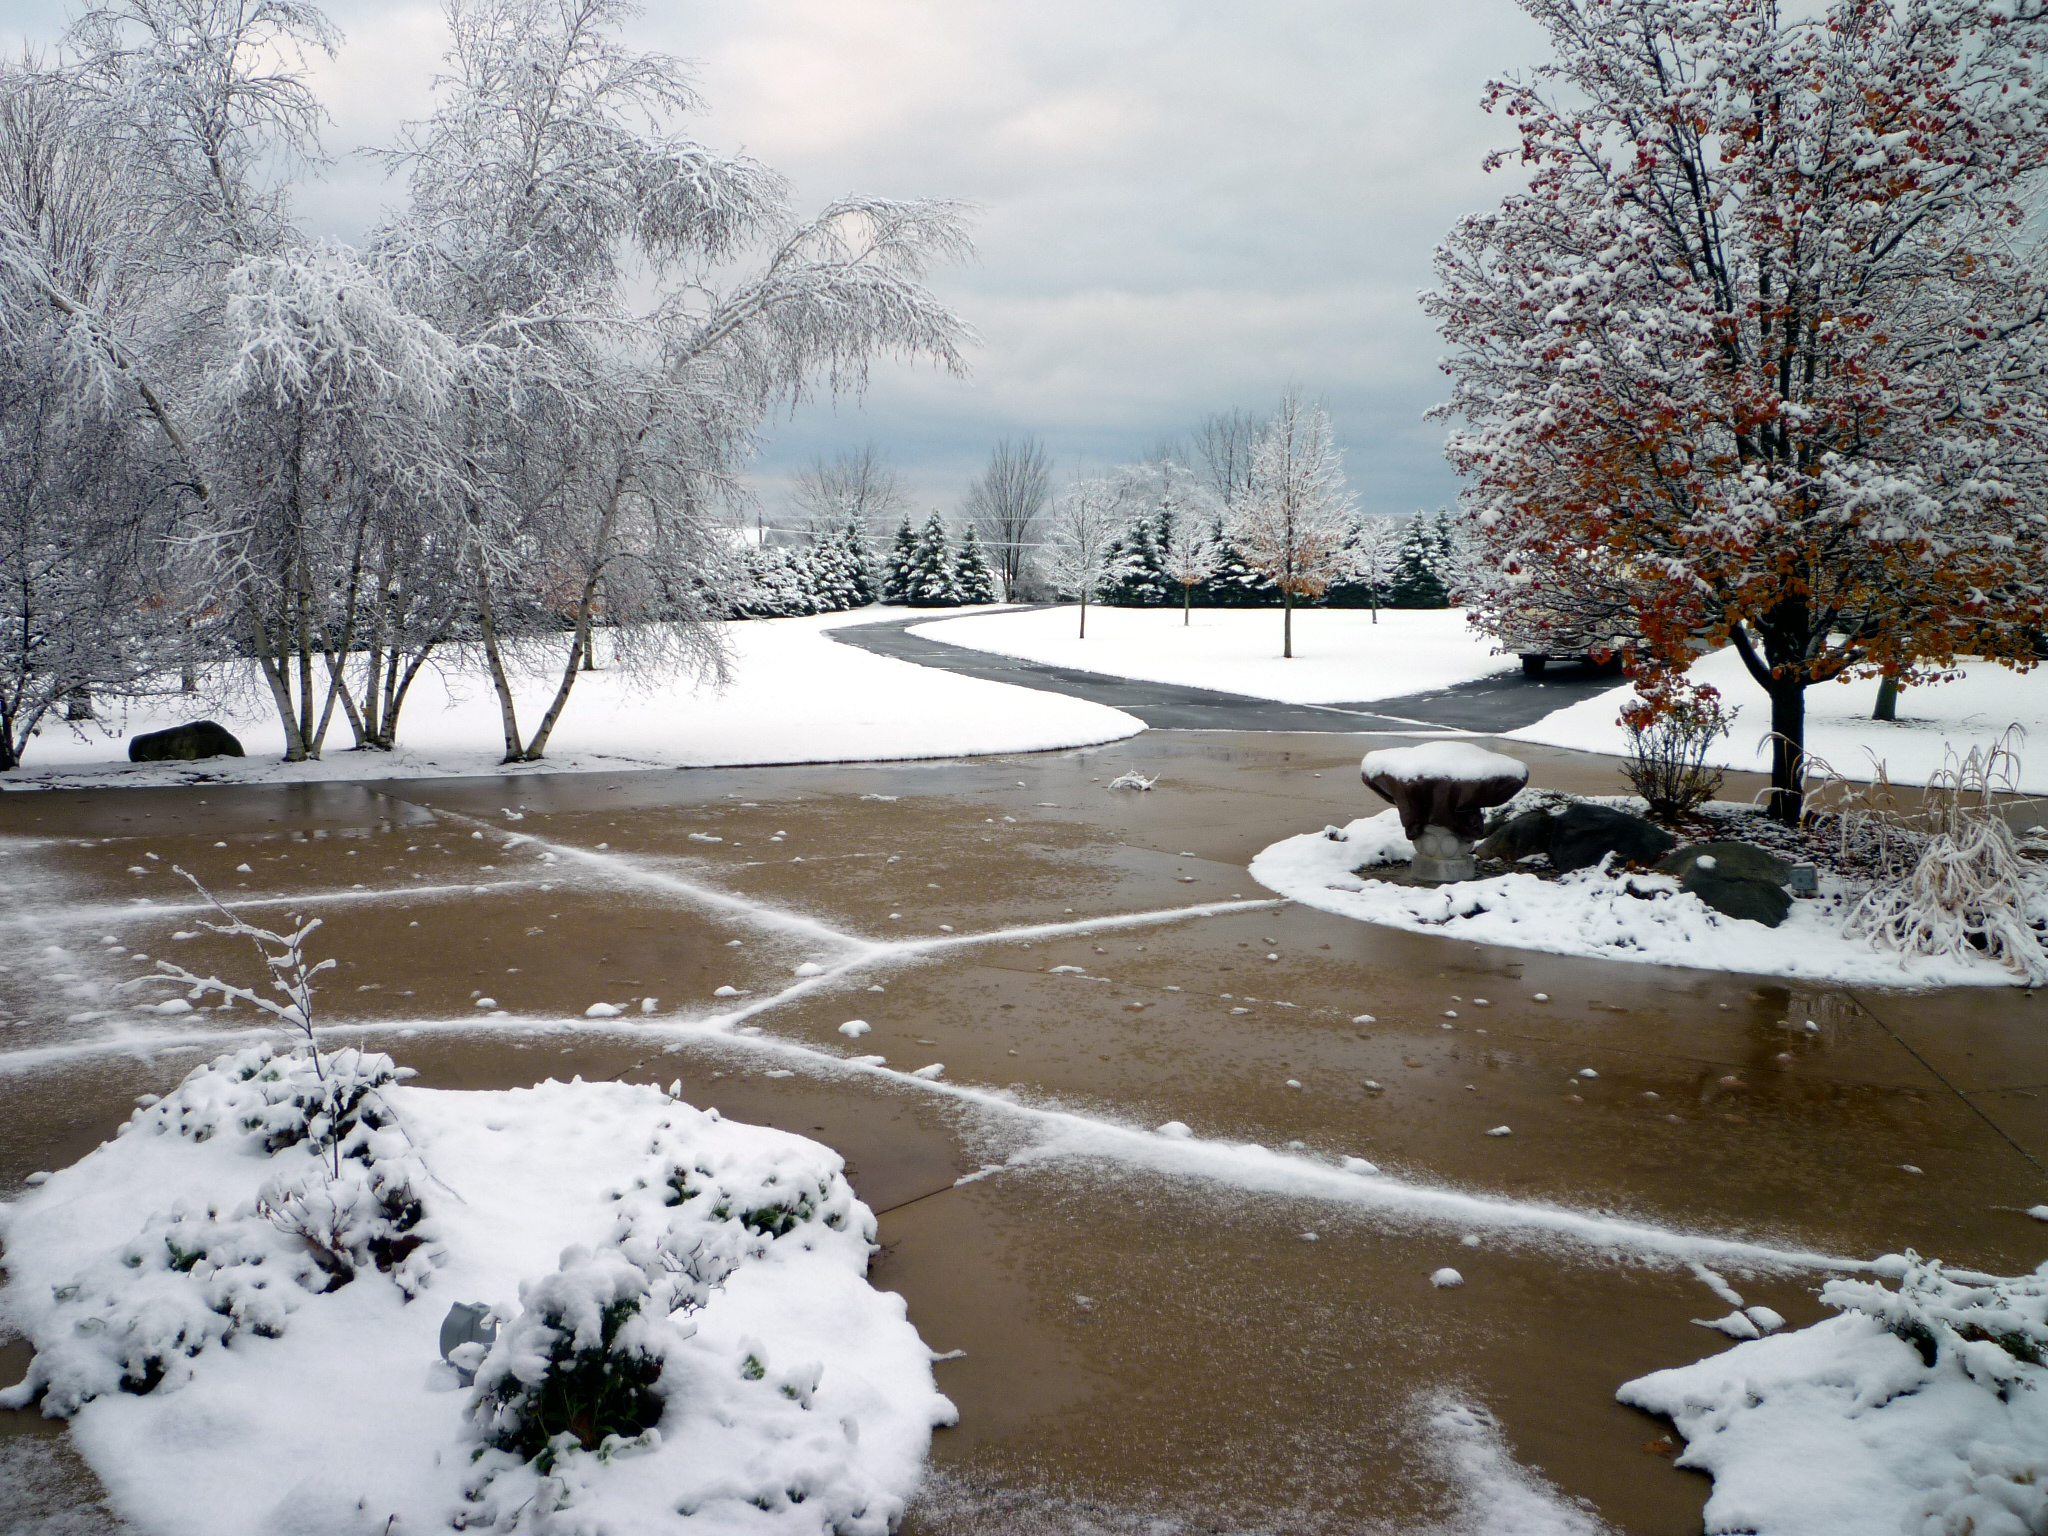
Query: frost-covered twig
point(1132, 780)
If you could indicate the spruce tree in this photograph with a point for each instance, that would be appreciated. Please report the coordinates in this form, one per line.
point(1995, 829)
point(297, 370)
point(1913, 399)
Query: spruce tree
point(896, 569)
point(1417, 583)
point(859, 563)
point(973, 581)
point(928, 578)
point(1136, 568)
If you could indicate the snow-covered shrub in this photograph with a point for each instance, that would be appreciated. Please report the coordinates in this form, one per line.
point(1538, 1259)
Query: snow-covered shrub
point(1919, 1409)
point(1953, 880)
point(1991, 1328)
point(1672, 725)
point(196, 1276)
point(582, 1360)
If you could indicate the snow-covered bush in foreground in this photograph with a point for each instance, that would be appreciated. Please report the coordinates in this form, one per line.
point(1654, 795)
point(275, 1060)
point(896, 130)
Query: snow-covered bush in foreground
point(688, 1329)
point(1919, 1410)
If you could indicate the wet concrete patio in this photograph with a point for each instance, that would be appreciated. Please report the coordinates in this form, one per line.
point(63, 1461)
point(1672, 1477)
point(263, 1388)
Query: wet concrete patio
point(1146, 1335)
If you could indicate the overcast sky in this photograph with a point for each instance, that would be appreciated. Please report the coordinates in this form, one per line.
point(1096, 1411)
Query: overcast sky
point(1186, 205)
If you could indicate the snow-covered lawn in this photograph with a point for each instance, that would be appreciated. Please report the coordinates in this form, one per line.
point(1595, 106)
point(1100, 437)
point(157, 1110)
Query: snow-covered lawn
point(1643, 918)
point(1919, 1410)
point(1340, 655)
point(791, 1396)
point(1972, 710)
point(797, 696)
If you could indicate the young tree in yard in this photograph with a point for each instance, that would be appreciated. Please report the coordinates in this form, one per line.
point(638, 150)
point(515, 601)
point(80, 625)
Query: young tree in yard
point(1006, 503)
point(973, 582)
point(1084, 525)
point(547, 189)
point(928, 579)
point(1178, 509)
point(1290, 525)
point(1767, 329)
point(1191, 558)
point(1374, 553)
point(896, 566)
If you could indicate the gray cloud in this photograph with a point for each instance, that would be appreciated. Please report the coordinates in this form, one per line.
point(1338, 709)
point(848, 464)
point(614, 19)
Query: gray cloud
point(1186, 205)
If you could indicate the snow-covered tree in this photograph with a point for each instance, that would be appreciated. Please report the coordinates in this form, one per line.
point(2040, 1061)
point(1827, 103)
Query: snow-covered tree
point(973, 582)
point(548, 190)
point(928, 577)
point(1134, 571)
point(1291, 523)
point(858, 484)
point(88, 601)
point(1768, 325)
point(1374, 557)
point(1084, 525)
point(896, 564)
point(1006, 503)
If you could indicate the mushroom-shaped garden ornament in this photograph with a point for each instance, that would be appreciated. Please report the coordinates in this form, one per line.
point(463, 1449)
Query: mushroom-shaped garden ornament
point(1442, 790)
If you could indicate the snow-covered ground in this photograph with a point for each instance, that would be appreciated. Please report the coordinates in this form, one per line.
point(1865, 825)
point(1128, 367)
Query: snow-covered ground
point(1641, 918)
point(1340, 655)
point(1972, 710)
point(1916, 1411)
point(797, 696)
point(793, 1397)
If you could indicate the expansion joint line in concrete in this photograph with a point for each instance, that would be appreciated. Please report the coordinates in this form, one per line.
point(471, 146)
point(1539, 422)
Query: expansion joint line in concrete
point(1942, 1077)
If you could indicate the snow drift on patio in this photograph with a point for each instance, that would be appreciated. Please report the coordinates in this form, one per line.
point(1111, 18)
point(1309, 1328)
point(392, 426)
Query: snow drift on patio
point(798, 696)
point(794, 1398)
point(1643, 918)
point(1973, 709)
point(1340, 655)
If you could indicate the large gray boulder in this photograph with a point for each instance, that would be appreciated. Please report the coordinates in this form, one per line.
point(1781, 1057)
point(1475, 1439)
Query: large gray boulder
point(1744, 861)
point(1585, 834)
point(1518, 837)
point(185, 743)
point(1734, 878)
point(1757, 901)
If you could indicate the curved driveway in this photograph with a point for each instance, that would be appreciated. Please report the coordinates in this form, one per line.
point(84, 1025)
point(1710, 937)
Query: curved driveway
point(1487, 706)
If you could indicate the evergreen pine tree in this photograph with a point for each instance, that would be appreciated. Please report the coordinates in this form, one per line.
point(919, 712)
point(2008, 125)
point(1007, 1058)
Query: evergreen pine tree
point(859, 563)
point(1135, 573)
point(973, 581)
point(928, 577)
point(896, 568)
point(1416, 581)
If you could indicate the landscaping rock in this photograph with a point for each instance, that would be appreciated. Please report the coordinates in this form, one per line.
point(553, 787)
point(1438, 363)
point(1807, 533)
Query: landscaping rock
point(1518, 837)
point(1743, 861)
point(1757, 901)
point(1586, 834)
point(185, 743)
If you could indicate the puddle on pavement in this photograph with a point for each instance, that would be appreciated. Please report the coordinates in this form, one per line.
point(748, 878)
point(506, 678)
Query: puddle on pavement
point(1225, 1370)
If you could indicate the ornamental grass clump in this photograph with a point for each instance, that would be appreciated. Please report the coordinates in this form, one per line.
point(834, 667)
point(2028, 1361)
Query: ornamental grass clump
point(1955, 881)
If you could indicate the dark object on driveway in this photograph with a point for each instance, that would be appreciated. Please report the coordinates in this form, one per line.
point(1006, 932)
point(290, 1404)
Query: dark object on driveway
point(1518, 837)
point(1586, 834)
point(185, 743)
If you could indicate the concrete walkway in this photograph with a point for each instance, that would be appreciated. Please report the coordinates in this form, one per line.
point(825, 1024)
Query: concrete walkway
point(1149, 1333)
